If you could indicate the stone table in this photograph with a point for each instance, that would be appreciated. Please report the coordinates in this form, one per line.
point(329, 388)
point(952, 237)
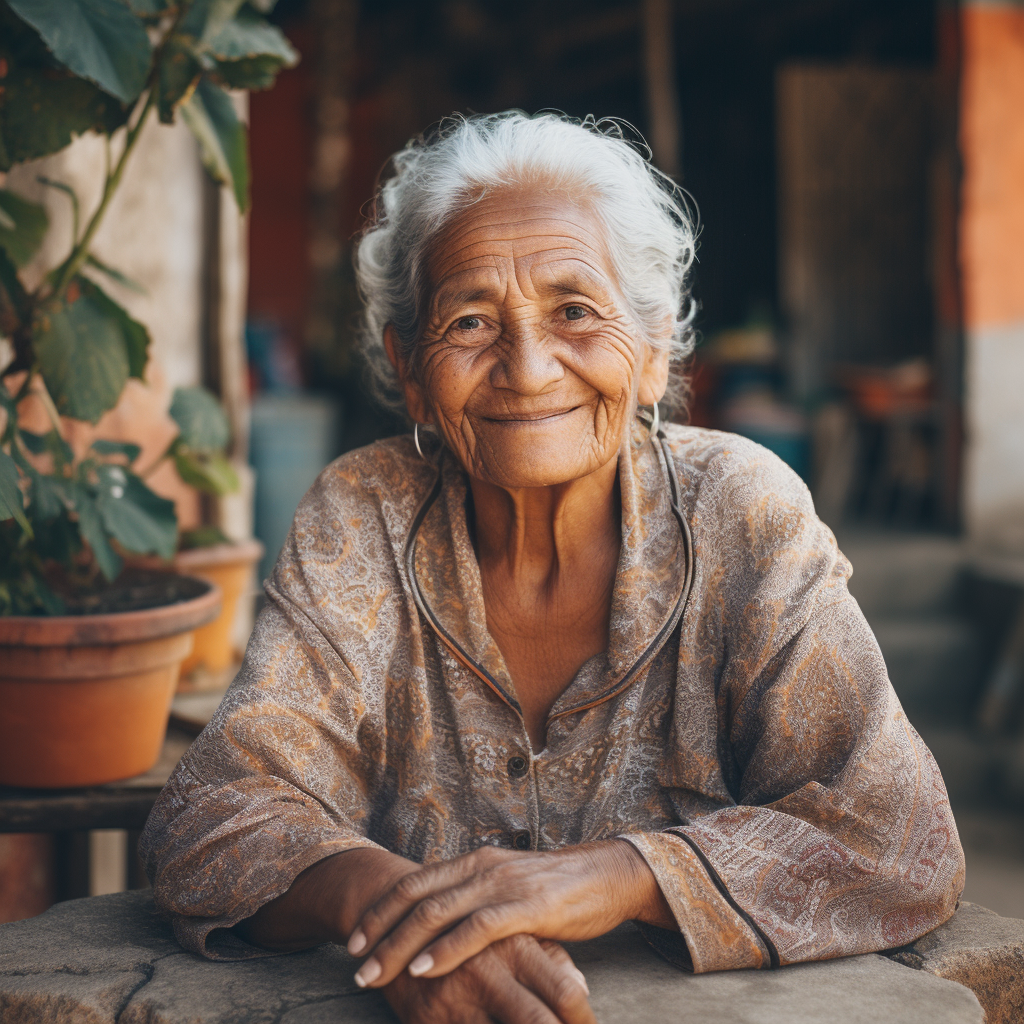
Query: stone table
point(112, 960)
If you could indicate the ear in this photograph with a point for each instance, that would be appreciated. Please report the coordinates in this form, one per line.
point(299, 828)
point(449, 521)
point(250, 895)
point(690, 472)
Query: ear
point(415, 399)
point(653, 377)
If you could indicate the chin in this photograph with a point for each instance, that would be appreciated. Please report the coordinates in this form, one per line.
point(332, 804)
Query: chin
point(542, 465)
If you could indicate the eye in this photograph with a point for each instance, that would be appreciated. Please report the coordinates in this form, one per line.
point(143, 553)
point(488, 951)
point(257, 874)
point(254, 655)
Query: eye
point(575, 312)
point(468, 323)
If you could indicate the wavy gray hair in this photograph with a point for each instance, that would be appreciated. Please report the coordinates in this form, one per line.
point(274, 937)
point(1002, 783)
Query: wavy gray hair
point(649, 229)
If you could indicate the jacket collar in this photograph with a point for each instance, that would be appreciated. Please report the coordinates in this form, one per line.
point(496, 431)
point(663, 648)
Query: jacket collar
point(652, 579)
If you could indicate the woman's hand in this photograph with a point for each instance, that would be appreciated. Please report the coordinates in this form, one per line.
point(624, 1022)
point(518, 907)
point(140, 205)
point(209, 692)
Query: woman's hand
point(515, 981)
point(439, 917)
point(326, 901)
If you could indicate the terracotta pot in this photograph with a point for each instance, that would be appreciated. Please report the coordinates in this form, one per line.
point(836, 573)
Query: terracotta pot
point(84, 699)
point(230, 567)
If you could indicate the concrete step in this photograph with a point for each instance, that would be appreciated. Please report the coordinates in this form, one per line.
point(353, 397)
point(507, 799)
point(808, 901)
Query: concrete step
point(933, 663)
point(904, 574)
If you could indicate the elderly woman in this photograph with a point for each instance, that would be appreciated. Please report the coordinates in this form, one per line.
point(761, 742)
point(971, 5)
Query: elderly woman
point(546, 665)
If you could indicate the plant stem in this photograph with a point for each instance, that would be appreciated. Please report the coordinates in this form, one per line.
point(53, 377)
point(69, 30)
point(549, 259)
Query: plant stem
point(51, 410)
point(81, 251)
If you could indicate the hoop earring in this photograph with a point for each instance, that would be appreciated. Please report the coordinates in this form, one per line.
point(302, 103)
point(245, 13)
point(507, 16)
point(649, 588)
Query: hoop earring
point(416, 441)
point(654, 426)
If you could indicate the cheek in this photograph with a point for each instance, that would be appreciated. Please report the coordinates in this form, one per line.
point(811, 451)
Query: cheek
point(608, 362)
point(450, 375)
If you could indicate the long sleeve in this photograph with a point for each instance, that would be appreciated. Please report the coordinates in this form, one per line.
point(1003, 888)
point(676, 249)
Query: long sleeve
point(833, 835)
point(288, 770)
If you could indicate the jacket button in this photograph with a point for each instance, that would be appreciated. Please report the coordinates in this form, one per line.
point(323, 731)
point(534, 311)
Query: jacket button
point(517, 766)
point(521, 839)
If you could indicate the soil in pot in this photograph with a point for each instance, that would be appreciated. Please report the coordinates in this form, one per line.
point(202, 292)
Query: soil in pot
point(84, 699)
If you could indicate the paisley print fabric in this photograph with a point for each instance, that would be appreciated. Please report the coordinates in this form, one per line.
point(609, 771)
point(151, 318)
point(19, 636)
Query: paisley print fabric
point(740, 730)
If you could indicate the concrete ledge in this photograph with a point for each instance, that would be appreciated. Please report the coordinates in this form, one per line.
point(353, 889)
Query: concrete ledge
point(112, 960)
point(981, 950)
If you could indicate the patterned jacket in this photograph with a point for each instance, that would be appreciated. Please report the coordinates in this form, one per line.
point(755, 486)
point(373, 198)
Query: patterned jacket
point(740, 731)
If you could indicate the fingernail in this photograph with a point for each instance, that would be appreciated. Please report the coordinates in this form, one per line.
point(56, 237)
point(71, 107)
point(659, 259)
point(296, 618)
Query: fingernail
point(368, 973)
point(356, 942)
point(421, 965)
point(583, 980)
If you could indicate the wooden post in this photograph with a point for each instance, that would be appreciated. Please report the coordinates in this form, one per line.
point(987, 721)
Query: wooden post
point(334, 25)
point(660, 78)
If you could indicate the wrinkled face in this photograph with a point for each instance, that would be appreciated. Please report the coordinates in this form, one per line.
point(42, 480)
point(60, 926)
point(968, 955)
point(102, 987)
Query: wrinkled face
point(529, 363)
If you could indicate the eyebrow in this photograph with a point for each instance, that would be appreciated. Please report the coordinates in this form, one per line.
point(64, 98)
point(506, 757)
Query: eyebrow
point(566, 283)
point(571, 284)
point(460, 297)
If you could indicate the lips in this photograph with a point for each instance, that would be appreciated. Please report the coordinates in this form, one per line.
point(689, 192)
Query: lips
point(538, 416)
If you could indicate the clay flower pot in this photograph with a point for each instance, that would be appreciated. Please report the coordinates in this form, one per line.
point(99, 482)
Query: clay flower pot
point(84, 699)
point(230, 567)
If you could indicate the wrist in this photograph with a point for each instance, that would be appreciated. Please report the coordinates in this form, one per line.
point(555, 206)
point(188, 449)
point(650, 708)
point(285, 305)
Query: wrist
point(642, 898)
point(352, 882)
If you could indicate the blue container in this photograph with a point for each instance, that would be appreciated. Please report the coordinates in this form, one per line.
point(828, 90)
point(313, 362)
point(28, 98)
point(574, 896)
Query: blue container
point(794, 449)
point(292, 438)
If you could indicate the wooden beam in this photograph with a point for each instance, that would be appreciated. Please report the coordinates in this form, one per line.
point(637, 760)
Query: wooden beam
point(665, 134)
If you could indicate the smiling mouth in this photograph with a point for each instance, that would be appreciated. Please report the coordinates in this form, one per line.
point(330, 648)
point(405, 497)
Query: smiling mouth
point(534, 417)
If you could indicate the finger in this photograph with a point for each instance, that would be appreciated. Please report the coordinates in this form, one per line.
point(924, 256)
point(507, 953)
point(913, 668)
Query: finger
point(552, 976)
point(558, 954)
point(393, 906)
point(512, 1003)
point(423, 944)
point(479, 928)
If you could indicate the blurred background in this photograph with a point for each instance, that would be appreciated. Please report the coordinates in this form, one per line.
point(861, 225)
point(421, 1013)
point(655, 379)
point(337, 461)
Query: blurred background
point(858, 167)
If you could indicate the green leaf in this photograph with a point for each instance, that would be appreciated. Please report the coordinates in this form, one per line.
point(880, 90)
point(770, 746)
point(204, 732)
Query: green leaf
point(138, 519)
point(82, 355)
point(47, 496)
point(249, 35)
point(210, 115)
point(115, 275)
point(42, 105)
point(205, 18)
point(130, 451)
point(178, 75)
point(90, 525)
point(52, 442)
point(12, 501)
point(206, 471)
point(13, 298)
point(136, 337)
point(202, 537)
point(28, 223)
point(35, 443)
point(150, 8)
point(100, 40)
point(201, 420)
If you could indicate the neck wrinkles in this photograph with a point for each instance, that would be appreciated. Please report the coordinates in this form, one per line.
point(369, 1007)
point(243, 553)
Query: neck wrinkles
point(533, 533)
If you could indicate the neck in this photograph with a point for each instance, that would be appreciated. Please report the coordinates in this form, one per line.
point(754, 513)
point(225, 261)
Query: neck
point(534, 533)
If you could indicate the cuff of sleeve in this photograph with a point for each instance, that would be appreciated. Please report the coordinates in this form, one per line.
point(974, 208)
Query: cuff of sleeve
point(717, 937)
point(212, 938)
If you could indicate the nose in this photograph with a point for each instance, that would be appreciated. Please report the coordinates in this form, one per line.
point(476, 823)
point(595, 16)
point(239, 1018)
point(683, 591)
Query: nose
point(528, 364)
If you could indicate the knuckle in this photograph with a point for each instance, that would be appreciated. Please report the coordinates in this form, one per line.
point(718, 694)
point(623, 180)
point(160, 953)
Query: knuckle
point(409, 887)
point(487, 856)
point(486, 920)
point(433, 911)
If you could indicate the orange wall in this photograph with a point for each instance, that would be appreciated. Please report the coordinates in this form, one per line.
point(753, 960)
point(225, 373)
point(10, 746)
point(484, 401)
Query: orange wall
point(992, 147)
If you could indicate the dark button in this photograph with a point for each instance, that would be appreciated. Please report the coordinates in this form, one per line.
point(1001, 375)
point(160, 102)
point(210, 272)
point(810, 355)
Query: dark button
point(517, 766)
point(521, 840)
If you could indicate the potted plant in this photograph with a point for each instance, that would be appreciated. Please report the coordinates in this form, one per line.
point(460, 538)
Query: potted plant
point(198, 453)
point(89, 650)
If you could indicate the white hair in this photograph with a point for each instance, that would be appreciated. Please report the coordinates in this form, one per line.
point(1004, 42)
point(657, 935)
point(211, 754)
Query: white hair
point(649, 230)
